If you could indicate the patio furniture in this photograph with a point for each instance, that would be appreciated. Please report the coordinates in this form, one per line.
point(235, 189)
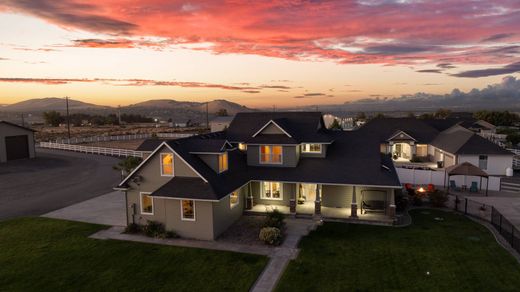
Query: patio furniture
point(431, 188)
point(372, 206)
point(453, 186)
point(474, 187)
point(464, 188)
point(465, 169)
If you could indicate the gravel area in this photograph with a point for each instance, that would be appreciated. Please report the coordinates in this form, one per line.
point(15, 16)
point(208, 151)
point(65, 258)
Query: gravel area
point(244, 231)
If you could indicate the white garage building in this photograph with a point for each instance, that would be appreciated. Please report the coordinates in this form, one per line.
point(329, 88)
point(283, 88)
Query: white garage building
point(16, 142)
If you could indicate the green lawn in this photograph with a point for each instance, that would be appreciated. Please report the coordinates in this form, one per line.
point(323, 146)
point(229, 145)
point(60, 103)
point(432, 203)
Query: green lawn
point(459, 254)
point(39, 254)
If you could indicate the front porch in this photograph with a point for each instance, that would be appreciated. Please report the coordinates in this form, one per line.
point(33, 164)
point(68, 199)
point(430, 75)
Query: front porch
point(330, 203)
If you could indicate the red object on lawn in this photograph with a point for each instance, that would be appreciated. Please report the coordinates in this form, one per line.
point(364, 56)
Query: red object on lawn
point(431, 188)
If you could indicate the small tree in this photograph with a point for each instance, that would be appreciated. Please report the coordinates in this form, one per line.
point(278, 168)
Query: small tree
point(335, 125)
point(53, 118)
point(513, 138)
point(222, 112)
point(128, 164)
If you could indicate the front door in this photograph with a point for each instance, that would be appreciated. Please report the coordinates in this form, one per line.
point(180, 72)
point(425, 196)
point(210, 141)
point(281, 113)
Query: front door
point(399, 150)
point(306, 198)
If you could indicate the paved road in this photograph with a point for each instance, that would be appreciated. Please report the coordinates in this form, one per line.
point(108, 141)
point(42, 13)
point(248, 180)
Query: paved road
point(53, 180)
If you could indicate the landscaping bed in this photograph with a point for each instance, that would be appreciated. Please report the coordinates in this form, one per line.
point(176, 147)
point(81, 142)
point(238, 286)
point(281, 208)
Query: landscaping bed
point(46, 254)
point(440, 251)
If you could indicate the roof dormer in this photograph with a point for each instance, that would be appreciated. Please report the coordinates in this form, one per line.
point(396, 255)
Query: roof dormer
point(273, 127)
point(214, 153)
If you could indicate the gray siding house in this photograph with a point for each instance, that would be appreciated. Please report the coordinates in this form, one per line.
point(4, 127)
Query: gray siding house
point(16, 142)
point(288, 161)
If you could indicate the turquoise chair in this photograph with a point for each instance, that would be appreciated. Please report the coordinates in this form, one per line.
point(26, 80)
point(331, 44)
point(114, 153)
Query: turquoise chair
point(474, 187)
point(453, 186)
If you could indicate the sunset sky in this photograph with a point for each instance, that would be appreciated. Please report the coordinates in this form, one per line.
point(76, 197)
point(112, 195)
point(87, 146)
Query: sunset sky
point(257, 53)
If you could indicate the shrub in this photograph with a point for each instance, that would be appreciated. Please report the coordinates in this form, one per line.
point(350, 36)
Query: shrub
point(275, 219)
point(270, 235)
point(438, 199)
point(132, 228)
point(401, 202)
point(171, 234)
point(154, 229)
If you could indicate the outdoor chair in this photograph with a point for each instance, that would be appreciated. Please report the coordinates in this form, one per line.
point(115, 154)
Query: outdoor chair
point(431, 188)
point(474, 187)
point(453, 186)
point(373, 205)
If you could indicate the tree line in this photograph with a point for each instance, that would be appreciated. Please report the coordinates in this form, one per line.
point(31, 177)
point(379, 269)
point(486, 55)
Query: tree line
point(54, 118)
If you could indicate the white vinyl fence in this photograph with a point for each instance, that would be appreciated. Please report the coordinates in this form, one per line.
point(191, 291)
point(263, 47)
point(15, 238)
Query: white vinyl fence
point(436, 177)
point(516, 158)
point(93, 139)
point(92, 150)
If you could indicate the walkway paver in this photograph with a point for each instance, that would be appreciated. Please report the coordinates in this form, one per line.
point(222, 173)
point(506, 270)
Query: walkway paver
point(108, 209)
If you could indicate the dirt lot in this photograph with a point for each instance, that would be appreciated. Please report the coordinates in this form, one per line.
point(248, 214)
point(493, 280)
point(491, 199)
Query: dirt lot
point(45, 133)
point(127, 144)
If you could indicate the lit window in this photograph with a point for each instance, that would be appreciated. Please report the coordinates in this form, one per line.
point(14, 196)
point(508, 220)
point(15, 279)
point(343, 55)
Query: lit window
point(223, 162)
point(311, 148)
point(482, 161)
point(242, 146)
point(271, 191)
point(146, 204)
point(233, 199)
point(167, 164)
point(188, 210)
point(271, 154)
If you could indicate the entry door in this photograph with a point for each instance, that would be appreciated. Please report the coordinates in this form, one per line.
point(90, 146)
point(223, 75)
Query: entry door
point(17, 147)
point(308, 192)
point(399, 149)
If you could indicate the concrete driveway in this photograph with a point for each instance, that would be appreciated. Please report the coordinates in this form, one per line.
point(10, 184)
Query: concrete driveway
point(507, 206)
point(53, 180)
point(108, 209)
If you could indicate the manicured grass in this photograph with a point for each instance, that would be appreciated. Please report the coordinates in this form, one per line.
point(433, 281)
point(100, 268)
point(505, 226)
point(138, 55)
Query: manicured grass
point(38, 254)
point(459, 254)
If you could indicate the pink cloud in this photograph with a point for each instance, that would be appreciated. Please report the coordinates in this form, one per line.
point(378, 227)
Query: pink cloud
point(363, 31)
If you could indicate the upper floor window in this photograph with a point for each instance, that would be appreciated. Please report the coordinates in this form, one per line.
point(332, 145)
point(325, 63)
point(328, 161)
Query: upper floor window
point(311, 148)
point(167, 164)
point(270, 154)
point(233, 199)
point(223, 162)
point(482, 161)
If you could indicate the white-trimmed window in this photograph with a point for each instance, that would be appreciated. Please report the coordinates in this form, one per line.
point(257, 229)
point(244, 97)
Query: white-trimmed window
point(271, 154)
point(188, 210)
point(233, 199)
point(483, 161)
point(311, 148)
point(271, 191)
point(167, 164)
point(146, 203)
point(223, 162)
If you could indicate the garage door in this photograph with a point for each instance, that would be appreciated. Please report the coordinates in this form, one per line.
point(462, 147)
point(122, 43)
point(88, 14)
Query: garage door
point(448, 160)
point(17, 147)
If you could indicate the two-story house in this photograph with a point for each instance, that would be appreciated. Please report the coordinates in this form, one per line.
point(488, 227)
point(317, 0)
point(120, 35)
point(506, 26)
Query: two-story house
point(199, 186)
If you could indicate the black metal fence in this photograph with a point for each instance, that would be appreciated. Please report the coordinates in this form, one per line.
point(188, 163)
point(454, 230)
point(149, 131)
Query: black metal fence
point(489, 214)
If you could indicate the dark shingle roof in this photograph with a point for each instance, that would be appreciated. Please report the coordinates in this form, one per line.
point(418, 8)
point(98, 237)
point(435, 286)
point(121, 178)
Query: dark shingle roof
point(149, 145)
point(459, 140)
point(183, 187)
point(384, 128)
point(302, 126)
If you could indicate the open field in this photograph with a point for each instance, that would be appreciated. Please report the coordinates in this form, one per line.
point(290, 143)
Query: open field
point(124, 144)
point(45, 133)
point(455, 254)
point(39, 254)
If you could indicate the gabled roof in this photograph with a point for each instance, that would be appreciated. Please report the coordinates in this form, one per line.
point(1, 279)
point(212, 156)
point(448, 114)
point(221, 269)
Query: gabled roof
point(401, 135)
point(384, 128)
point(301, 126)
point(466, 168)
point(15, 125)
point(459, 140)
point(276, 123)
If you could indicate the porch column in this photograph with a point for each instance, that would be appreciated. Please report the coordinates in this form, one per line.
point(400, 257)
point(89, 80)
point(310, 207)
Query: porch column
point(292, 202)
point(317, 203)
point(249, 197)
point(353, 205)
point(391, 206)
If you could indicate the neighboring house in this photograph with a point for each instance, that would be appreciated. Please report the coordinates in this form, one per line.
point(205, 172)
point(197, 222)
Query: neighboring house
point(199, 186)
point(220, 123)
point(446, 141)
point(16, 142)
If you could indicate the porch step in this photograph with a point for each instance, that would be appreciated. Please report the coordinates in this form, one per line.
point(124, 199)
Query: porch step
point(510, 187)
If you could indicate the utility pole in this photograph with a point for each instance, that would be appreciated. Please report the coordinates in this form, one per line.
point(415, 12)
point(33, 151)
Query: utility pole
point(68, 119)
point(119, 113)
point(207, 114)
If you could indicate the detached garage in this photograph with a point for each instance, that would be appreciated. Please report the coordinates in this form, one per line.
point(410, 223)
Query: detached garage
point(16, 142)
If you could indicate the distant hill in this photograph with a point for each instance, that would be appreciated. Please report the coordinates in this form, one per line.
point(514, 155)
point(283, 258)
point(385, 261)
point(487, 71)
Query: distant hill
point(170, 104)
point(50, 103)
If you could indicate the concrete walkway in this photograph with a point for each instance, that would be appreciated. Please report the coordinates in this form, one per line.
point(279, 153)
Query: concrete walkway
point(108, 209)
point(279, 256)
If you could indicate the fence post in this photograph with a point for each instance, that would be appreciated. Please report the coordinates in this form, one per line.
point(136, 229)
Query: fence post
point(465, 206)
